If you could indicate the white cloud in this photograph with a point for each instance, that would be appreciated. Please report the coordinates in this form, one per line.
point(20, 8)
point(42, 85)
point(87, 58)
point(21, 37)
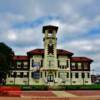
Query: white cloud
point(12, 36)
point(76, 19)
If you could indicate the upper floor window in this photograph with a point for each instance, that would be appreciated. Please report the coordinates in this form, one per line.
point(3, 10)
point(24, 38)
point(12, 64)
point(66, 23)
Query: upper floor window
point(85, 65)
point(25, 64)
point(18, 64)
point(35, 63)
point(62, 62)
point(79, 65)
point(13, 74)
point(73, 65)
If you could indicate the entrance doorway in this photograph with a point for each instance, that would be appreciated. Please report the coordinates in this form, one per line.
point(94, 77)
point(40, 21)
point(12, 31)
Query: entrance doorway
point(50, 78)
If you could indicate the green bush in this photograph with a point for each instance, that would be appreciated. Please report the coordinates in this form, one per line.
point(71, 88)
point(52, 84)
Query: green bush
point(79, 87)
point(35, 87)
point(60, 87)
point(39, 87)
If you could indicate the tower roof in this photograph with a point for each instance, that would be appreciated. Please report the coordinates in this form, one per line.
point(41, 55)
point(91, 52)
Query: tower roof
point(50, 28)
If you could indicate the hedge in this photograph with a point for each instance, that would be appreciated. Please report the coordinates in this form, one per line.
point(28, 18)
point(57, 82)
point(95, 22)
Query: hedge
point(60, 87)
point(80, 87)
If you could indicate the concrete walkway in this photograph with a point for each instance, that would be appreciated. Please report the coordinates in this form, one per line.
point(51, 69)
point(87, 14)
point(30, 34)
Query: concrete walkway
point(63, 94)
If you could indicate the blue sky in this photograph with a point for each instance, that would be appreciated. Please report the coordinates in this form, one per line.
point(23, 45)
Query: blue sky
point(21, 23)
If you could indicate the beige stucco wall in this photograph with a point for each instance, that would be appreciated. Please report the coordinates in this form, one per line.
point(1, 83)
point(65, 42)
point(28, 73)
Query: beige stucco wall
point(80, 80)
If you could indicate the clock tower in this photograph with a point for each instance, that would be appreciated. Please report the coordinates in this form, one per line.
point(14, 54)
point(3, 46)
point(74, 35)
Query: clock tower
point(50, 42)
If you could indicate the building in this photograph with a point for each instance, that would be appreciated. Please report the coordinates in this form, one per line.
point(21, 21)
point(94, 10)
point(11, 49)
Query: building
point(50, 65)
point(95, 79)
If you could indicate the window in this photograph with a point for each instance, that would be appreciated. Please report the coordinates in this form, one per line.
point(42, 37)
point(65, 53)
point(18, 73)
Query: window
point(18, 74)
point(18, 64)
point(62, 63)
point(67, 75)
point(41, 74)
point(71, 75)
point(79, 65)
point(45, 74)
point(86, 81)
point(74, 81)
point(76, 75)
point(50, 78)
point(21, 74)
point(73, 65)
point(26, 74)
point(83, 75)
point(25, 64)
point(55, 74)
point(62, 67)
point(32, 63)
point(85, 65)
point(35, 75)
point(9, 74)
point(36, 66)
point(88, 75)
point(59, 74)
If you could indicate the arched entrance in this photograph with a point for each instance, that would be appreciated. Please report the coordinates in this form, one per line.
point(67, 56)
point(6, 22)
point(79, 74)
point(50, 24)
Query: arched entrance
point(50, 77)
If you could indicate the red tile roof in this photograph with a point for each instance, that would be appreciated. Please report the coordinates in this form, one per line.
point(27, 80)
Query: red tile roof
point(20, 58)
point(41, 51)
point(82, 59)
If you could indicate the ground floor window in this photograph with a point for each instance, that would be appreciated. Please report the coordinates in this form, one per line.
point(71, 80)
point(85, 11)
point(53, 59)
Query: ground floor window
point(58, 74)
point(71, 75)
point(67, 75)
point(41, 74)
point(88, 75)
point(83, 75)
point(35, 75)
point(76, 75)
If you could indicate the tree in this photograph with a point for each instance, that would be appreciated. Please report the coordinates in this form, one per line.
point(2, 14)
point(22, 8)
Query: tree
point(6, 60)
